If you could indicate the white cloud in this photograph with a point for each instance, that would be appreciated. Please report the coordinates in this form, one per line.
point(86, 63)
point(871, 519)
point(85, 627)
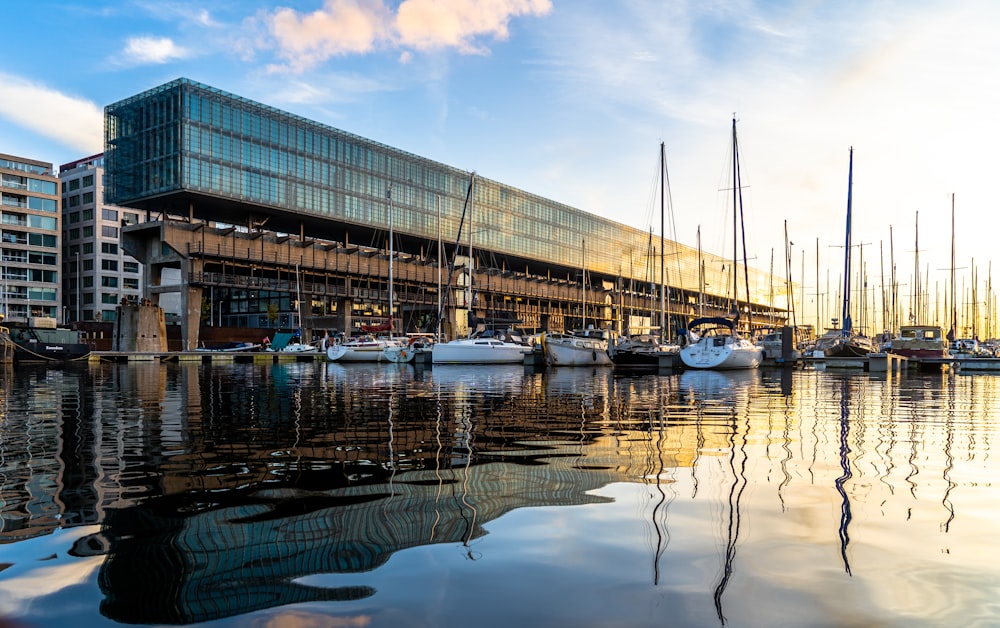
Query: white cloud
point(431, 24)
point(151, 51)
point(345, 27)
point(341, 27)
point(71, 121)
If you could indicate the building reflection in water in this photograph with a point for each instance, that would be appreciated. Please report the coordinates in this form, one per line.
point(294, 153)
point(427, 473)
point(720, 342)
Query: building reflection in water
point(219, 489)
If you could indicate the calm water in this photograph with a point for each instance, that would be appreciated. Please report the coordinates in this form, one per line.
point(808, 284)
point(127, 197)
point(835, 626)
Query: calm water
point(313, 494)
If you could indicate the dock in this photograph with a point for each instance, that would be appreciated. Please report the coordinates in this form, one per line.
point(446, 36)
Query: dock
point(205, 357)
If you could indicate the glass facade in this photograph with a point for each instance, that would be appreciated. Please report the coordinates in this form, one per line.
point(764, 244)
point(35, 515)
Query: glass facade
point(188, 139)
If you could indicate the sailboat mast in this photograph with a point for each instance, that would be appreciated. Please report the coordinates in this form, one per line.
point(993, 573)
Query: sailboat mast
point(468, 283)
point(845, 315)
point(701, 278)
point(663, 276)
point(437, 327)
point(736, 301)
point(388, 196)
point(583, 281)
point(954, 314)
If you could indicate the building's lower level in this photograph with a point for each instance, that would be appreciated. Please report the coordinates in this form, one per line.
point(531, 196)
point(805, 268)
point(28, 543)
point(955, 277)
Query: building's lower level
point(234, 278)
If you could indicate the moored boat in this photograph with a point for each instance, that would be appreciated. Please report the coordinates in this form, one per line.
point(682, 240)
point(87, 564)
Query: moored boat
point(44, 341)
point(838, 343)
point(919, 342)
point(364, 348)
point(575, 349)
point(485, 348)
point(714, 343)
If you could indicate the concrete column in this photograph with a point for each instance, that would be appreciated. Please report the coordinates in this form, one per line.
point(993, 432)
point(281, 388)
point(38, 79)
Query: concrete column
point(190, 317)
point(344, 314)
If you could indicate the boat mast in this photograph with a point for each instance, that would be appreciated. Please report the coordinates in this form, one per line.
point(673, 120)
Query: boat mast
point(388, 196)
point(915, 300)
point(845, 315)
point(701, 278)
point(437, 327)
point(663, 276)
point(736, 301)
point(583, 281)
point(468, 283)
point(954, 312)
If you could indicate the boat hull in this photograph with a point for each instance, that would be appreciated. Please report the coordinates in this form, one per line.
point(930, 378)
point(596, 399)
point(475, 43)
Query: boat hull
point(358, 352)
point(475, 351)
point(575, 351)
point(710, 353)
point(50, 352)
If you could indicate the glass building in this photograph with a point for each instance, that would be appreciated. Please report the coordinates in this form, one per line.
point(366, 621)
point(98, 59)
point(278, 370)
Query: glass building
point(188, 149)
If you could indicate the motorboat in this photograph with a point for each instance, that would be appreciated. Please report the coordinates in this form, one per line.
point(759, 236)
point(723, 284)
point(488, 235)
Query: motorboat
point(919, 342)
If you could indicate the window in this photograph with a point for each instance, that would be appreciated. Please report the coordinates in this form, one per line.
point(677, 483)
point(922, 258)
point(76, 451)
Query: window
point(109, 282)
point(41, 239)
point(42, 222)
point(87, 214)
point(109, 248)
point(87, 198)
point(130, 267)
point(88, 282)
point(109, 232)
point(42, 204)
point(74, 184)
point(88, 264)
point(88, 232)
point(109, 214)
point(74, 217)
point(129, 218)
point(88, 181)
point(109, 264)
point(88, 248)
point(74, 201)
point(130, 283)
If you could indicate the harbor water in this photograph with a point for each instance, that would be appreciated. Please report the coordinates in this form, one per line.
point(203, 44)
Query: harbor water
point(322, 494)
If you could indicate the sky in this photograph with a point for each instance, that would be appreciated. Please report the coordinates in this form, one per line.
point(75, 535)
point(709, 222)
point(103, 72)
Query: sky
point(570, 100)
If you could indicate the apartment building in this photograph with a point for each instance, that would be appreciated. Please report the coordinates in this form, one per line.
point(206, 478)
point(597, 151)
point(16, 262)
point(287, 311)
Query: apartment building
point(30, 230)
point(98, 274)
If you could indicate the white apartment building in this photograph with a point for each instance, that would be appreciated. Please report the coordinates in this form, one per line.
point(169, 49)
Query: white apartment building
point(98, 274)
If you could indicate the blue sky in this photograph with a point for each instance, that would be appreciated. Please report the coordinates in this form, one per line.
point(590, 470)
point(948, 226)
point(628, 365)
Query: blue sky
point(571, 99)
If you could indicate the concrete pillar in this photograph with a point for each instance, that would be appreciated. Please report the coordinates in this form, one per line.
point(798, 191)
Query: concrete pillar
point(190, 317)
point(139, 327)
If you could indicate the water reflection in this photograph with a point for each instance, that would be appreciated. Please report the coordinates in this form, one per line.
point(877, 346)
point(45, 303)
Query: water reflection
point(213, 492)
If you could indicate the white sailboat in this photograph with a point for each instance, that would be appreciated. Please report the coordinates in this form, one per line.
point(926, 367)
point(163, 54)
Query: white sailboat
point(582, 347)
point(369, 348)
point(397, 351)
point(486, 348)
point(715, 342)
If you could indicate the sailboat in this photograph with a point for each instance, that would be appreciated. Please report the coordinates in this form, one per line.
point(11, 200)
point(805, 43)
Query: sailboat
point(649, 350)
point(582, 347)
point(484, 348)
point(715, 342)
point(369, 348)
point(845, 342)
